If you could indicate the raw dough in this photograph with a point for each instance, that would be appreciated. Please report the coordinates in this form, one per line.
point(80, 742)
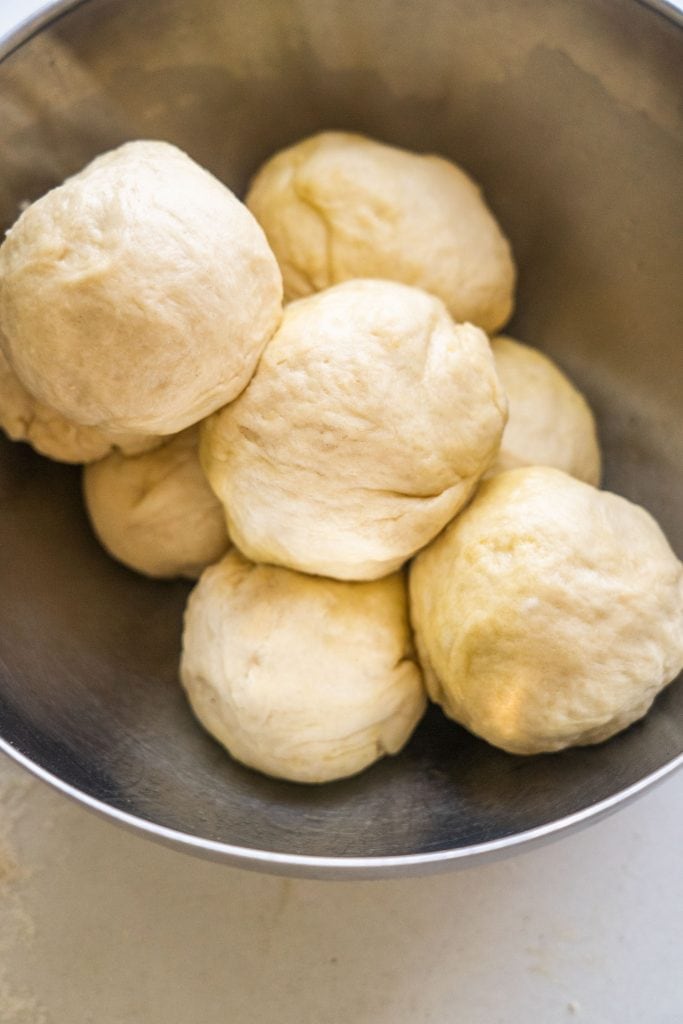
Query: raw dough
point(302, 678)
point(549, 614)
point(139, 294)
point(550, 423)
point(24, 419)
point(338, 206)
point(156, 512)
point(365, 429)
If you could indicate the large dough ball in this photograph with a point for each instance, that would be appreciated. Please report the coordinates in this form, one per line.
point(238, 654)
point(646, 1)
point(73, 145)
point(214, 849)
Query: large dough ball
point(549, 614)
point(156, 512)
point(365, 429)
point(302, 678)
point(139, 294)
point(339, 206)
point(25, 419)
point(550, 423)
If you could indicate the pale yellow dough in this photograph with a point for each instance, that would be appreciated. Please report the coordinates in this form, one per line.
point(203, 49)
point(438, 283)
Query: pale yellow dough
point(25, 419)
point(550, 423)
point(137, 296)
point(366, 427)
point(549, 614)
point(338, 206)
point(302, 678)
point(156, 512)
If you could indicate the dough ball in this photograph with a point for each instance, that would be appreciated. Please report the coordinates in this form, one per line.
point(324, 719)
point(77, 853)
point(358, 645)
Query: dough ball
point(365, 429)
point(339, 206)
point(549, 614)
point(302, 678)
point(137, 296)
point(156, 512)
point(25, 419)
point(550, 423)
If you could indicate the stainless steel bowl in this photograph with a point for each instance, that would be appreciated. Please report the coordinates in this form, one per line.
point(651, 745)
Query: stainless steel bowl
point(566, 111)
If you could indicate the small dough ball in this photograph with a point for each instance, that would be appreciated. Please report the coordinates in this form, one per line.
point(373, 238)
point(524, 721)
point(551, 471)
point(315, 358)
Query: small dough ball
point(549, 614)
point(137, 296)
point(25, 419)
point(156, 512)
point(550, 423)
point(302, 678)
point(366, 427)
point(338, 206)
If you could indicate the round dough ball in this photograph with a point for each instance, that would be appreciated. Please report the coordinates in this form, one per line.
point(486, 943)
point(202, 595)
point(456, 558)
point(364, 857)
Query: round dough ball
point(302, 678)
point(339, 206)
point(25, 419)
point(366, 427)
point(550, 423)
point(138, 295)
point(156, 512)
point(549, 614)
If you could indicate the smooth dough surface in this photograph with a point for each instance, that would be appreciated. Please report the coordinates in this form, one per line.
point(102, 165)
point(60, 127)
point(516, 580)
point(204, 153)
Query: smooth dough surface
point(366, 427)
point(23, 418)
point(549, 423)
point(549, 614)
point(339, 206)
point(302, 678)
point(156, 512)
point(138, 295)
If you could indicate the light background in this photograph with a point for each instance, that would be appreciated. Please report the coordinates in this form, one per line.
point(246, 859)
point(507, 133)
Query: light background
point(98, 926)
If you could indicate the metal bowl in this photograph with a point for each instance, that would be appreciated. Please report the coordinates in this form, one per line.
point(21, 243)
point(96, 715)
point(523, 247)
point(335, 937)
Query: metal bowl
point(567, 114)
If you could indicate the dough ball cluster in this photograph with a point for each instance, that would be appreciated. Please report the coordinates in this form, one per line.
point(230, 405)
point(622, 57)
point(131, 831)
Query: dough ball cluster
point(297, 460)
point(549, 614)
point(339, 206)
point(137, 296)
point(364, 430)
point(156, 512)
point(301, 677)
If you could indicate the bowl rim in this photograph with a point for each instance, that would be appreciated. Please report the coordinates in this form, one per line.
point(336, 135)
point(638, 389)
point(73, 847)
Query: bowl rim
point(50, 11)
point(303, 865)
point(308, 866)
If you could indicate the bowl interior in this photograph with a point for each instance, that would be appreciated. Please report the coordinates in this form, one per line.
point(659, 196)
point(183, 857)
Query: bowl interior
point(566, 113)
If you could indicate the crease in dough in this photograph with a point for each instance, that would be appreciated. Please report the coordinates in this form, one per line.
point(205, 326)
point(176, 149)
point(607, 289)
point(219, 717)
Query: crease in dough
point(368, 423)
point(338, 206)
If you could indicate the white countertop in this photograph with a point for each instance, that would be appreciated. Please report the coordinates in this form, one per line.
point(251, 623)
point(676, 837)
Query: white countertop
point(14, 11)
point(98, 926)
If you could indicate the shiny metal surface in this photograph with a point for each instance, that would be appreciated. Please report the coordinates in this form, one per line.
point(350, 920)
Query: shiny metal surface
point(568, 114)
